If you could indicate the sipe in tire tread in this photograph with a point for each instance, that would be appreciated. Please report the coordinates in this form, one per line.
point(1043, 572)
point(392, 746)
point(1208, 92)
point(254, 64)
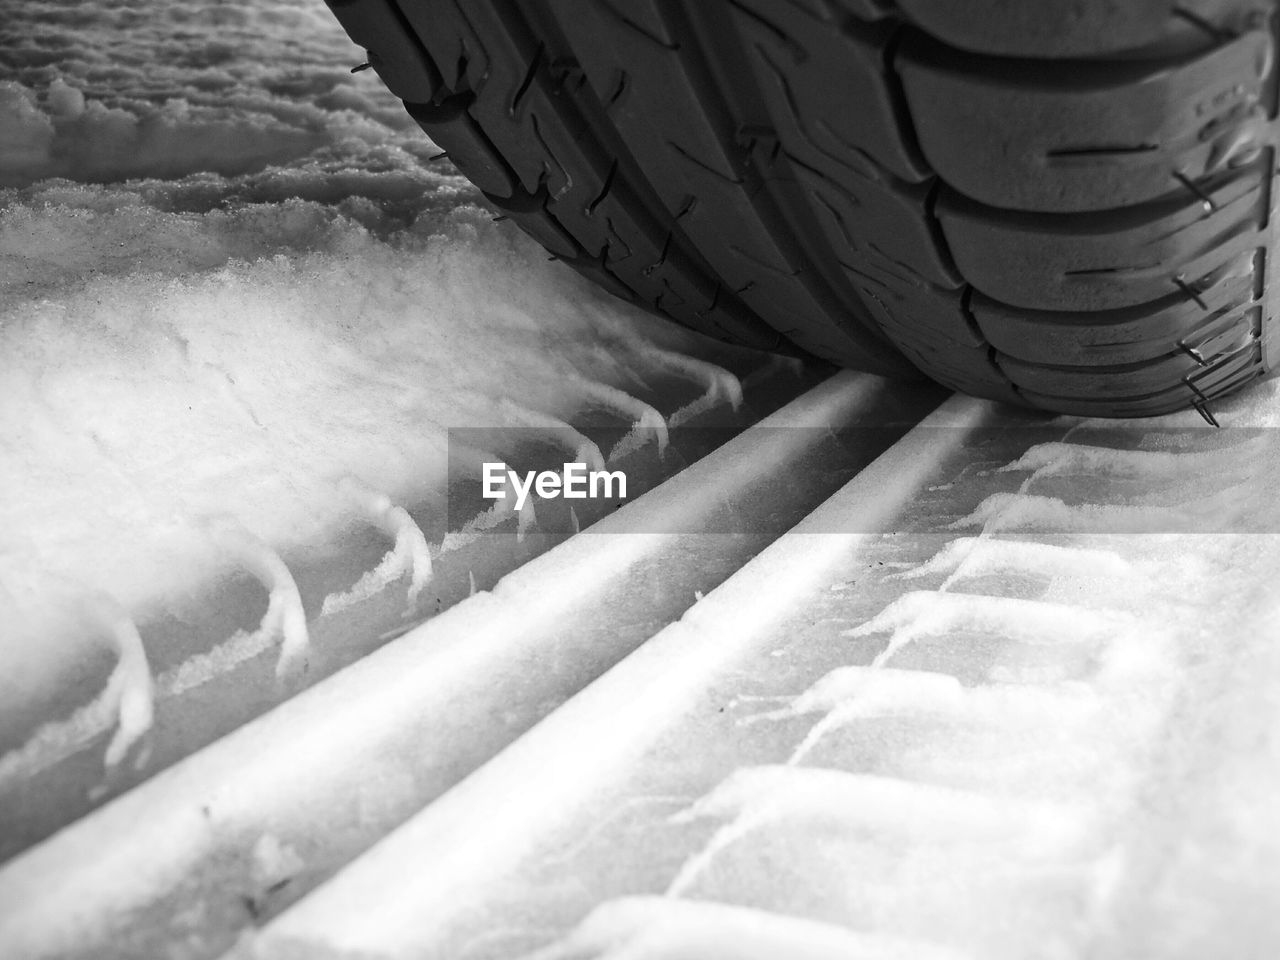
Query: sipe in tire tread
point(1067, 207)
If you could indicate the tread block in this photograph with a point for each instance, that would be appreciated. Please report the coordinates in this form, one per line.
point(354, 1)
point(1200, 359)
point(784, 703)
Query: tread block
point(810, 70)
point(1082, 28)
point(535, 220)
point(454, 131)
point(882, 220)
point(1117, 382)
point(699, 160)
point(967, 370)
point(930, 325)
point(521, 138)
point(1128, 335)
point(1108, 261)
point(1226, 375)
point(866, 10)
point(510, 62)
point(1218, 381)
point(1023, 135)
point(395, 56)
point(916, 312)
point(452, 41)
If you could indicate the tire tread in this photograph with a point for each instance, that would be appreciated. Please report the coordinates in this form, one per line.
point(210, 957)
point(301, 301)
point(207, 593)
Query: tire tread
point(950, 187)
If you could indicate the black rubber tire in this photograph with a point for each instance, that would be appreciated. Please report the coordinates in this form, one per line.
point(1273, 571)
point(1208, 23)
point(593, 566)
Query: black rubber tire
point(1066, 206)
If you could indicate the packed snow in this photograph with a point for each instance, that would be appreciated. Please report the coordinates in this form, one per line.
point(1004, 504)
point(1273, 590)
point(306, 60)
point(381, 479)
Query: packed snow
point(663, 928)
point(240, 307)
point(292, 773)
point(753, 797)
point(1001, 743)
point(981, 556)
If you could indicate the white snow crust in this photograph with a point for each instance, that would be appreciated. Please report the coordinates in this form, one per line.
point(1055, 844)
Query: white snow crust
point(233, 289)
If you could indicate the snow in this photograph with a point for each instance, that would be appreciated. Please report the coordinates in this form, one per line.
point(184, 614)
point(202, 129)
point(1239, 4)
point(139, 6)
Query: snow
point(1004, 512)
point(875, 690)
point(273, 861)
point(447, 856)
point(720, 385)
point(233, 289)
point(410, 553)
point(292, 771)
point(849, 694)
point(983, 556)
point(127, 702)
point(109, 92)
point(754, 797)
point(648, 425)
point(284, 615)
point(1040, 767)
point(926, 613)
point(1052, 459)
point(150, 398)
point(1020, 809)
point(662, 928)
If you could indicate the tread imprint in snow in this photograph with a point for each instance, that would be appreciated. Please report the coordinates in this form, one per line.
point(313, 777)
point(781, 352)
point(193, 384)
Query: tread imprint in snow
point(1063, 206)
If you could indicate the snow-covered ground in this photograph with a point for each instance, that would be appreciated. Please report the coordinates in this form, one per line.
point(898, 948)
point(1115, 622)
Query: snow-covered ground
point(233, 290)
point(1001, 696)
point(240, 309)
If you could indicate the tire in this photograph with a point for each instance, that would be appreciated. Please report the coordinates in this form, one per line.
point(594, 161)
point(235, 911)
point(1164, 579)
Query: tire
point(1064, 206)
